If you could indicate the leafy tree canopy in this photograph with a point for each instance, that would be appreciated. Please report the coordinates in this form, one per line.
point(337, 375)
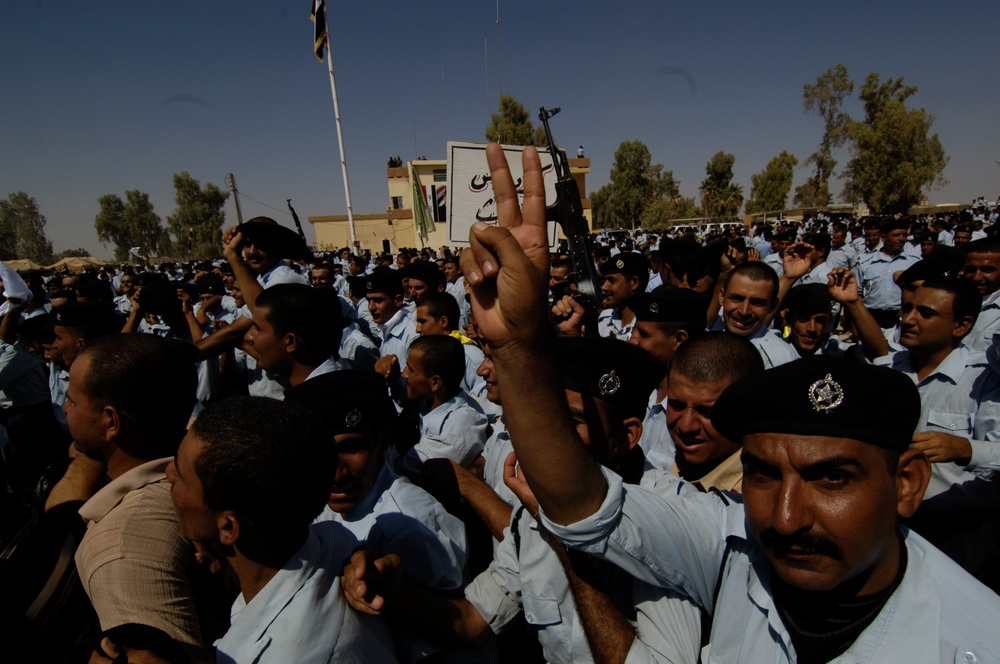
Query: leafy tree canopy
point(720, 196)
point(130, 223)
point(770, 188)
point(22, 230)
point(196, 223)
point(512, 125)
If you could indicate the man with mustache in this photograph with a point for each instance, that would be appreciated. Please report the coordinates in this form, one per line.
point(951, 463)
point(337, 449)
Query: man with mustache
point(814, 564)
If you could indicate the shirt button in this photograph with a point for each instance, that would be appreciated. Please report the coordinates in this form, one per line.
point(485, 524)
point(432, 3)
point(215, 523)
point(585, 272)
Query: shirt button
point(970, 657)
point(952, 425)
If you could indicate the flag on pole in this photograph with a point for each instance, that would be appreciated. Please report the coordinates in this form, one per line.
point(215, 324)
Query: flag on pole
point(421, 212)
point(319, 29)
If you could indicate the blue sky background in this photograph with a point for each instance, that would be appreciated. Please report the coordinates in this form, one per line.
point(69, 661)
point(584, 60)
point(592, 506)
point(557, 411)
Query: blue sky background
point(101, 97)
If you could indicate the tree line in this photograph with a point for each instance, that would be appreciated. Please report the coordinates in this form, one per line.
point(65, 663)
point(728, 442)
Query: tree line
point(895, 161)
point(193, 230)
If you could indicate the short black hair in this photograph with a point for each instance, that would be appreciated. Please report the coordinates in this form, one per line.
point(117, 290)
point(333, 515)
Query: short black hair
point(441, 304)
point(965, 298)
point(442, 356)
point(150, 380)
point(314, 315)
point(273, 463)
point(756, 271)
point(716, 356)
point(986, 245)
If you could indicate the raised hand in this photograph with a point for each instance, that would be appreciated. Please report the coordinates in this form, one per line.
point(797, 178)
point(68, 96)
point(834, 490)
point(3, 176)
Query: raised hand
point(507, 266)
point(368, 580)
point(843, 285)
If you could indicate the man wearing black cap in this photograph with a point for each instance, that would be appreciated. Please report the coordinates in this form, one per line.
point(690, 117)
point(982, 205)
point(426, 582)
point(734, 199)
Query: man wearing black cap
point(881, 295)
point(664, 319)
point(381, 509)
point(256, 249)
point(814, 564)
point(624, 275)
point(397, 329)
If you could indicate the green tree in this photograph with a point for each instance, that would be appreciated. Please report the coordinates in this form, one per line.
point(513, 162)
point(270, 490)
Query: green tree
point(720, 196)
point(825, 98)
point(130, 223)
point(639, 192)
point(894, 159)
point(770, 187)
point(79, 252)
point(513, 126)
point(196, 223)
point(22, 230)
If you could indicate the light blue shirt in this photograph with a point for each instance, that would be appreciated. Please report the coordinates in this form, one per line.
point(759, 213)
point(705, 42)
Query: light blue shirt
point(938, 613)
point(456, 430)
point(880, 292)
point(609, 324)
point(981, 336)
point(301, 616)
point(656, 442)
point(495, 452)
point(961, 397)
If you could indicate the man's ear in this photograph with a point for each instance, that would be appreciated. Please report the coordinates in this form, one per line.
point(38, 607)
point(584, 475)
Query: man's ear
point(963, 326)
point(632, 427)
point(291, 342)
point(228, 524)
point(436, 382)
point(912, 475)
point(112, 420)
point(679, 337)
point(399, 300)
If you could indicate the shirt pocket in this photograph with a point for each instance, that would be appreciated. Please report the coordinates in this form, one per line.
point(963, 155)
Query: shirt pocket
point(949, 422)
point(541, 611)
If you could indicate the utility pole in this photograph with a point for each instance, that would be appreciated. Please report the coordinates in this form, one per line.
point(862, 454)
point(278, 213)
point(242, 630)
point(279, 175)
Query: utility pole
point(231, 181)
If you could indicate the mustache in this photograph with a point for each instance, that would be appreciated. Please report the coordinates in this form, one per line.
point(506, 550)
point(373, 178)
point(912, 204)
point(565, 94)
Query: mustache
point(781, 545)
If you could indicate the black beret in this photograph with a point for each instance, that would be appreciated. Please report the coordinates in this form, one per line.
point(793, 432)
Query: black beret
point(609, 369)
point(602, 251)
point(928, 268)
point(95, 289)
point(269, 236)
point(160, 297)
point(705, 261)
point(670, 305)
point(146, 278)
point(385, 281)
point(81, 314)
point(211, 284)
point(38, 328)
point(808, 299)
point(424, 271)
point(893, 225)
point(785, 236)
point(822, 396)
point(346, 400)
point(626, 261)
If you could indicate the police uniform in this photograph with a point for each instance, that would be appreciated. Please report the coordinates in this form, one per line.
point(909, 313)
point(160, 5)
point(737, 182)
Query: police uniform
point(609, 321)
point(880, 293)
point(456, 430)
point(700, 546)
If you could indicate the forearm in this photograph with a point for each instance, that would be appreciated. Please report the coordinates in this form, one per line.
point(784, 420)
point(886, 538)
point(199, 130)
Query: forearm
point(449, 620)
point(608, 633)
point(196, 330)
point(82, 479)
point(870, 335)
point(132, 324)
point(229, 336)
point(564, 477)
point(246, 278)
point(494, 512)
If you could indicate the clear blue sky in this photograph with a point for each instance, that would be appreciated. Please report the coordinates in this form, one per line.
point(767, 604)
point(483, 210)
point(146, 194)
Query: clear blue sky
point(101, 97)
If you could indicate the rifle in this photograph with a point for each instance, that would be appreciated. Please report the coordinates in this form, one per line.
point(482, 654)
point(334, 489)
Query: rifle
point(567, 211)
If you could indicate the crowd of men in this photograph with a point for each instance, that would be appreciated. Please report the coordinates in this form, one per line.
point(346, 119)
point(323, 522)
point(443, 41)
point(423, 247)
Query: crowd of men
point(773, 443)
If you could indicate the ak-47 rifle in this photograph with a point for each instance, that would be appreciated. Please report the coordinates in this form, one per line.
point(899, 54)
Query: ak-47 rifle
point(567, 211)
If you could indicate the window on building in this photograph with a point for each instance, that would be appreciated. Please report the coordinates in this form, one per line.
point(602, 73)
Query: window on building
point(397, 202)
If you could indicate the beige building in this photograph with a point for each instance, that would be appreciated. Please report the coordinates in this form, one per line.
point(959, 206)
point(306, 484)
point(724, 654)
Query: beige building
point(397, 225)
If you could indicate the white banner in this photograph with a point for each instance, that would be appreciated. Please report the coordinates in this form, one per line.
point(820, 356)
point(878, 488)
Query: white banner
point(470, 189)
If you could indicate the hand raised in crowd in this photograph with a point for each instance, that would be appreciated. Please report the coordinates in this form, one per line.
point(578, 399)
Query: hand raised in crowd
point(515, 481)
point(843, 285)
point(568, 315)
point(941, 447)
point(185, 299)
point(753, 255)
point(507, 266)
point(388, 367)
point(368, 581)
point(795, 260)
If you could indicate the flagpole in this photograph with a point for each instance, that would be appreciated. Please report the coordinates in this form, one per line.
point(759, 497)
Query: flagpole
point(340, 132)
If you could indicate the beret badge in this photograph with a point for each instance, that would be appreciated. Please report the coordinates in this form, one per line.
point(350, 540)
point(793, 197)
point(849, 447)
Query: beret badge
point(825, 394)
point(353, 418)
point(609, 383)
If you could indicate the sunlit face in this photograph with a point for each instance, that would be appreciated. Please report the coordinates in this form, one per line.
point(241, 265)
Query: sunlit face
point(894, 241)
point(616, 289)
point(689, 409)
point(872, 238)
point(127, 286)
point(418, 382)
point(823, 509)
point(656, 339)
point(452, 272)
point(320, 276)
point(237, 294)
point(382, 307)
point(197, 522)
point(488, 372)
point(65, 347)
point(259, 261)
point(358, 463)
point(416, 288)
point(558, 275)
point(427, 324)
point(808, 332)
point(928, 321)
point(984, 271)
point(838, 239)
point(746, 304)
point(268, 347)
point(962, 238)
point(85, 417)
